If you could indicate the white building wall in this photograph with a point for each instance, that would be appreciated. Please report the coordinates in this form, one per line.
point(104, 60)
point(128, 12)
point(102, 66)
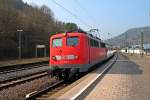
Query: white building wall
point(135, 51)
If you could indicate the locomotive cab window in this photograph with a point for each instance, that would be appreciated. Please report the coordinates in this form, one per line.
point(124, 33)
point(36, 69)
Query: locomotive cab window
point(57, 42)
point(72, 41)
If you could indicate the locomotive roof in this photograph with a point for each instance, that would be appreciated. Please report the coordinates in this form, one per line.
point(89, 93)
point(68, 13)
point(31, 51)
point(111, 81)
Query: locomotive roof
point(88, 34)
point(82, 32)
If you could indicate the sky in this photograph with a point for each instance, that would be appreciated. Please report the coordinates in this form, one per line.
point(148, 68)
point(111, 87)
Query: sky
point(109, 16)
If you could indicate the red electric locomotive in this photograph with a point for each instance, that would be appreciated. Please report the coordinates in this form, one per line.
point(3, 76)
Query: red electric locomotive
point(74, 52)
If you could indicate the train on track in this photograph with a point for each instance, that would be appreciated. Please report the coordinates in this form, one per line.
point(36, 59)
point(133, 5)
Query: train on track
point(74, 52)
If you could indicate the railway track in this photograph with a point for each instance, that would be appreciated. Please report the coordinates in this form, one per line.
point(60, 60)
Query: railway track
point(20, 74)
point(49, 89)
point(25, 71)
point(14, 68)
point(20, 77)
point(22, 80)
point(46, 92)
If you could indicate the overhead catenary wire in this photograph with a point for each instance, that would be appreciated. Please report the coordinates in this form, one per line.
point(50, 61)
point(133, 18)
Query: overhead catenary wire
point(97, 31)
point(71, 13)
point(85, 11)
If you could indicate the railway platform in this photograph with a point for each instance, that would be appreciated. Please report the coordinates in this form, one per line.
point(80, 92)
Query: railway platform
point(128, 79)
point(22, 61)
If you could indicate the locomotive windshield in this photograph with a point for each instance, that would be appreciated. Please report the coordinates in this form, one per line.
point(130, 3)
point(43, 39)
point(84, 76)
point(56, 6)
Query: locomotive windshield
point(57, 42)
point(72, 41)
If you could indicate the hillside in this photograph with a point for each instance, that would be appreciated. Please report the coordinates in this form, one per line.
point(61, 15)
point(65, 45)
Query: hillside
point(131, 37)
point(37, 23)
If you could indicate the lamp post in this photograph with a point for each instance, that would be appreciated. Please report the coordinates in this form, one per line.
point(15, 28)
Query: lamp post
point(19, 47)
point(141, 42)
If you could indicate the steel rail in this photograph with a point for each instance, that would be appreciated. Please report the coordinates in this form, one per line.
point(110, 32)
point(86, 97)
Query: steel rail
point(22, 80)
point(13, 68)
point(35, 94)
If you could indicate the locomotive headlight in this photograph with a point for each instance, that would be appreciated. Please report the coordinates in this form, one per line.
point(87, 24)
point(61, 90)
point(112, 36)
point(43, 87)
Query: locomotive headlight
point(65, 57)
point(72, 57)
point(76, 57)
point(58, 57)
point(53, 57)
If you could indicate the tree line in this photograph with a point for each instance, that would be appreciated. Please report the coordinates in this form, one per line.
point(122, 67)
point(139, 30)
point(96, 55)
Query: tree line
point(37, 23)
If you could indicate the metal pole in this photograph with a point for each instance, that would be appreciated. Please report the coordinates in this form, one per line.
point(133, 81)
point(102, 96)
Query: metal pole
point(146, 47)
point(142, 43)
point(45, 52)
point(20, 45)
point(19, 48)
point(36, 52)
point(126, 42)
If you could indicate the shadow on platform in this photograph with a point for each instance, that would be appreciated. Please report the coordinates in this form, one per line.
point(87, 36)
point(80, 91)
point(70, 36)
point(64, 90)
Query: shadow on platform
point(122, 66)
point(125, 67)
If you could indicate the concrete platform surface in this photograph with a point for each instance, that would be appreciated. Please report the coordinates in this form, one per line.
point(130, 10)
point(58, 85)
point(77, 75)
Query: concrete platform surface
point(128, 79)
